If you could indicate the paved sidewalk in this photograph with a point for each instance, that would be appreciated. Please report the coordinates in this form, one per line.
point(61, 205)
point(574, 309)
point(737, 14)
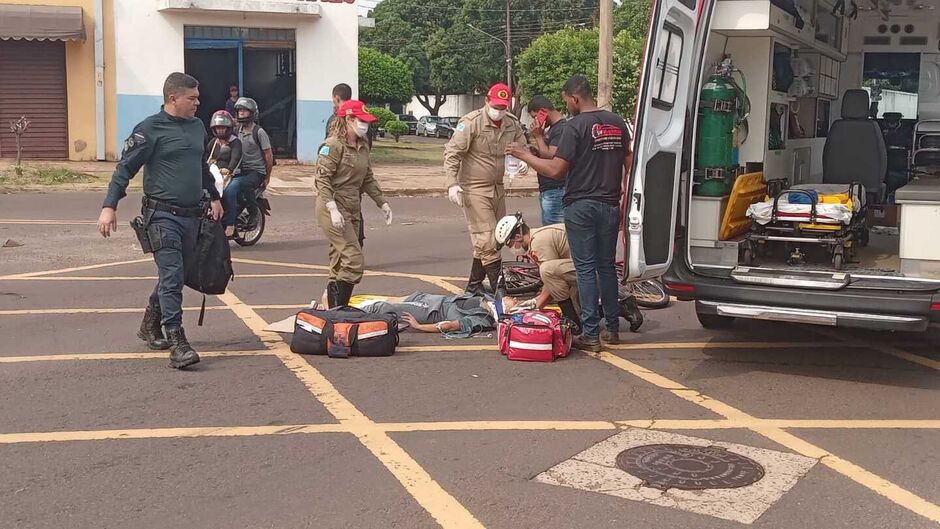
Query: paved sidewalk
point(294, 178)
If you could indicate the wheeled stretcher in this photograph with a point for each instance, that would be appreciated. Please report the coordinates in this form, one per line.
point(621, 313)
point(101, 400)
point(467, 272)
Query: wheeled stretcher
point(831, 215)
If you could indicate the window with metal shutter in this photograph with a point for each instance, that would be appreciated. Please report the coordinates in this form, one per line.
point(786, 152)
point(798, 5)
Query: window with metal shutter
point(32, 84)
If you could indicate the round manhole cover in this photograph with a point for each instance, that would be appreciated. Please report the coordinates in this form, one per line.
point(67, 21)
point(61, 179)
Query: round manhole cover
point(688, 467)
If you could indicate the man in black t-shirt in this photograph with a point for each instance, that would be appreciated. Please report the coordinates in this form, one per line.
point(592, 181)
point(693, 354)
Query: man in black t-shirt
point(551, 190)
point(592, 151)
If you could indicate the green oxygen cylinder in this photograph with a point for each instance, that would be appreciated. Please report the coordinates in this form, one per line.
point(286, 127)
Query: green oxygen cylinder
point(714, 165)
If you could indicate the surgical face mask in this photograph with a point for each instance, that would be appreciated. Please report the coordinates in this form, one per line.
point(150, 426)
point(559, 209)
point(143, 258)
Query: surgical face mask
point(517, 250)
point(362, 129)
point(495, 115)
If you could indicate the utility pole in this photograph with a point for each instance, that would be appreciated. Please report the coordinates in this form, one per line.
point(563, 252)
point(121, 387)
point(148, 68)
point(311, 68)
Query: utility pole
point(508, 50)
point(605, 61)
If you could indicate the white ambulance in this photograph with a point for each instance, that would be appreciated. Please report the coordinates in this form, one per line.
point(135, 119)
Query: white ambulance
point(828, 211)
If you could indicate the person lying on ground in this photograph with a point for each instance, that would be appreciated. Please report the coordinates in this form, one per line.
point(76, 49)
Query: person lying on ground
point(456, 316)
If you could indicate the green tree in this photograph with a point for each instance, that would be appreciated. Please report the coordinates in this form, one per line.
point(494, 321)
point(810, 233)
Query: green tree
point(382, 115)
point(396, 128)
point(383, 78)
point(633, 17)
point(448, 57)
point(628, 53)
point(551, 59)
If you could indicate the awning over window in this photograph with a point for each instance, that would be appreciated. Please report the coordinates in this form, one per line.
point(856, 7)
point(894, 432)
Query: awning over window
point(31, 22)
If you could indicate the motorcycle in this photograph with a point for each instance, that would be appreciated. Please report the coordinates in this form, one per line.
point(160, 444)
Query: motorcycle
point(245, 233)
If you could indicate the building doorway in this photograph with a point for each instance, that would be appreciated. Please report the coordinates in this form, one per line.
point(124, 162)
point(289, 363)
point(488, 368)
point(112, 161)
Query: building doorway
point(261, 62)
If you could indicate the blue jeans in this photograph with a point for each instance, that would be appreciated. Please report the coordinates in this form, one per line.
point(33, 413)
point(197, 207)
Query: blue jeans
point(175, 235)
point(592, 229)
point(244, 184)
point(552, 208)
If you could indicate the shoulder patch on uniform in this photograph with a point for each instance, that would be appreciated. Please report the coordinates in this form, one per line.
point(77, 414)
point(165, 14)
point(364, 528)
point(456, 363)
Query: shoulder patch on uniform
point(461, 126)
point(134, 140)
point(325, 150)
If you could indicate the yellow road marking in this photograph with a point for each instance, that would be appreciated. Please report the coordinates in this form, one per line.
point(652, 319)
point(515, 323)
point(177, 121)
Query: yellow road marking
point(884, 349)
point(443, 507)
point(119, 310)
point(151, 278)
point(854, 472)
point(143, 355)
point(464, 426)
point(73, 269)
point(168, 433)
point(53, 222)
point(440, 281)
point(910, 357)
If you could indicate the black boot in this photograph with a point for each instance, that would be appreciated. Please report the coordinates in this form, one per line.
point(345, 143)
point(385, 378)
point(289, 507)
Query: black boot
point(181, 353)
point(332, 295)
point(477, 275)
point(493, 272)
point(344, 293)
point(567, 310)
point(630, 311)
point(151, 331)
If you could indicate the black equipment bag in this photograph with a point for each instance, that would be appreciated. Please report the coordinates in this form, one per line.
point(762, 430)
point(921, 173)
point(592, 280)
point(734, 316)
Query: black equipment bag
point(343, 332)
point(209, 268)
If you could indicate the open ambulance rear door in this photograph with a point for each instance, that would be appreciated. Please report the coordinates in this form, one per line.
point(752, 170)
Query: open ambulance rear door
point(665, 113)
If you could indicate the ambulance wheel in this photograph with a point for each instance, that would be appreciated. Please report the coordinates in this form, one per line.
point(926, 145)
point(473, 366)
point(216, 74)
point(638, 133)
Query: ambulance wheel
point(714, 321)
point(838, 259)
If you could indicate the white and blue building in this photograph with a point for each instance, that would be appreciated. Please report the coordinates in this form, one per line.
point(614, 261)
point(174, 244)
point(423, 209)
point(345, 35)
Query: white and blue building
point(286, 54)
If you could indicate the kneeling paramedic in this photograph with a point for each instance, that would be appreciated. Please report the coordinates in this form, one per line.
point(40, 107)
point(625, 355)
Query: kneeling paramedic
point(343, 173)
point(548, 248)
point(170, 146)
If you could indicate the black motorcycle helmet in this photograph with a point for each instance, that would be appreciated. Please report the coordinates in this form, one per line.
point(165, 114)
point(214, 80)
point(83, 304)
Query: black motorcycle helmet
point(248, 104)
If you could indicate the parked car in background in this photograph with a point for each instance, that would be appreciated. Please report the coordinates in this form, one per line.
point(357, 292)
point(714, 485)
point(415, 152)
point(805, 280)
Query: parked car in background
point(427, 126)
point(446, 127)
point(410, 120)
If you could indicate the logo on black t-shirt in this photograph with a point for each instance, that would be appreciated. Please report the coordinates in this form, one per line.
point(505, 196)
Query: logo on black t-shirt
point(606, 137)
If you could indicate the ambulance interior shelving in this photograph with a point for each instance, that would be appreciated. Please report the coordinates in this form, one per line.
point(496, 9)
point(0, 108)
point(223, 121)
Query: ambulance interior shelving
point(796, 94)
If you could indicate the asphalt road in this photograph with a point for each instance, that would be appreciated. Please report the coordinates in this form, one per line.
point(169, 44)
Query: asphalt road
point(95, 431)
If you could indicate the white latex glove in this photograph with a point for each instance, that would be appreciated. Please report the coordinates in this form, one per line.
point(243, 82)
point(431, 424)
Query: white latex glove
point(528, 304)
point(335, 216)
point(454, 194)
point(388, 213)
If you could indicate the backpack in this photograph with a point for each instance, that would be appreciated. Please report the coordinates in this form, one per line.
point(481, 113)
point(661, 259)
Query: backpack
point(535, 336)
point(254, 136)
point(208, 269)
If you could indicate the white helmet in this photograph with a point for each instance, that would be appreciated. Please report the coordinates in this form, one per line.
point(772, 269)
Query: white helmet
point(507, 227)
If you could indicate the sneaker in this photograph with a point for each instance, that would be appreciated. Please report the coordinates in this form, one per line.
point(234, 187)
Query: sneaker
point(588, 344)
point(610, 338)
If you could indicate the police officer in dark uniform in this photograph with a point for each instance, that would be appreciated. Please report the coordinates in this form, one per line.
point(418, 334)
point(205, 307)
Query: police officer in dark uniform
point(170, 145)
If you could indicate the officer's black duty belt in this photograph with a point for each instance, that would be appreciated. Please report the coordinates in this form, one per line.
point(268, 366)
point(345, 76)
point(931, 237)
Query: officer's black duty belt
point(157, 205)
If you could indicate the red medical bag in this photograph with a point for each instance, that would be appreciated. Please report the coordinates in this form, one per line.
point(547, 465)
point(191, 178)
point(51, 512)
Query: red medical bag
point(535, 336)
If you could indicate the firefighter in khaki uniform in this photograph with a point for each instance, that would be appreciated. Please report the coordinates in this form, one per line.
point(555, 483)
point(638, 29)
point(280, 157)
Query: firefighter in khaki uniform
point(344, 172)
point(474, 163)
point(548, 248)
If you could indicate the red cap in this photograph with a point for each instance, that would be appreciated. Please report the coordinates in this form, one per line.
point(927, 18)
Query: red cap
point(499, 94)
point(355, 108)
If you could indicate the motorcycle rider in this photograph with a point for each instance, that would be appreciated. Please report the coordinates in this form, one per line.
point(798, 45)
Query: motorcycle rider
point(548, 248)
point(256, 168)
point(225, 149)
